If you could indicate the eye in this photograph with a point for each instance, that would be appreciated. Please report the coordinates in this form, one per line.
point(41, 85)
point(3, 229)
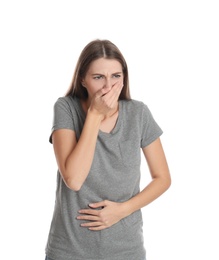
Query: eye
point(116, 75)
point(98, 77)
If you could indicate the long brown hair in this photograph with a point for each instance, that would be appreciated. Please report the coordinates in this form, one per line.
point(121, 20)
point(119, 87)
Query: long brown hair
point(94, 50)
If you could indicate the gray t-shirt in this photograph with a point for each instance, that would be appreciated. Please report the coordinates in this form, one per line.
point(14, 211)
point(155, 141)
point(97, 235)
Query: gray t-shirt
point(114, 176)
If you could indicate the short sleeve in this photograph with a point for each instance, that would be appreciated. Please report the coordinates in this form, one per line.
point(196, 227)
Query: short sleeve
point(62, 117)
point(150, 129)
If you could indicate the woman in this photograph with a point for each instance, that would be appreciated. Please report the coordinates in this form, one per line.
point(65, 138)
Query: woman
point(98, 133)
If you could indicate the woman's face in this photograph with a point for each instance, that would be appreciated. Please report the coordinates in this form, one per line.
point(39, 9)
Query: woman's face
point(102, 73)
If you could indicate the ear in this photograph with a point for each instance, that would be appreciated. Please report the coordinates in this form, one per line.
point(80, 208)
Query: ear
point(82, 83)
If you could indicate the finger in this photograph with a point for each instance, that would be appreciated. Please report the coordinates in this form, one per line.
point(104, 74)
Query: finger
point(112, 96)
point(88, 217)
point(91, 224)
point(89, 212)
point(97, 228)
point(101, 92)
point(116, 90)
point(120, 84)
point(98, 204)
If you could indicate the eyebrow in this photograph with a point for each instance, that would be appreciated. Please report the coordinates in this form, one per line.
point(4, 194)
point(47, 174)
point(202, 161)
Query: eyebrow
point(103, 74)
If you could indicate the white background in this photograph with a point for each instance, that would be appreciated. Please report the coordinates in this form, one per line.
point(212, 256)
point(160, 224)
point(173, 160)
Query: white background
point(172, 49)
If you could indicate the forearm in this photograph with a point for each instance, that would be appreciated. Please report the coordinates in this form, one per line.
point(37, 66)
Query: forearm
point(112, 212)
point(79, 162)
point(151, 192)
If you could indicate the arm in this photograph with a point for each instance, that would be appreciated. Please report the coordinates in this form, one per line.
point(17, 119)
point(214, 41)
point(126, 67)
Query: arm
point(74, 158)
point(114, 212)
point(161, 179)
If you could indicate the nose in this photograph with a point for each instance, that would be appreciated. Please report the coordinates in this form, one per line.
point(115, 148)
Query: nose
point(108, 84)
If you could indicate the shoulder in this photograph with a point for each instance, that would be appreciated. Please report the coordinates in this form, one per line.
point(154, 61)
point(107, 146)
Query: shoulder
point(137, 111)
point(135, 106)
point(67, 102)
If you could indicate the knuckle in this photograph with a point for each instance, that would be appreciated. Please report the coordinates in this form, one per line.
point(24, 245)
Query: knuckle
point(104, 100)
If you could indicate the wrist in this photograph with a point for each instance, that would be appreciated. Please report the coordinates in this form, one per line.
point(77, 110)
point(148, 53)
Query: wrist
point(126, 209)
point(95, 114)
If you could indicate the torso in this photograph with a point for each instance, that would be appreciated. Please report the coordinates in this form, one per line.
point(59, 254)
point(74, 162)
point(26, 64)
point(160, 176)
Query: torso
point(108, 124)
point(114, 175)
